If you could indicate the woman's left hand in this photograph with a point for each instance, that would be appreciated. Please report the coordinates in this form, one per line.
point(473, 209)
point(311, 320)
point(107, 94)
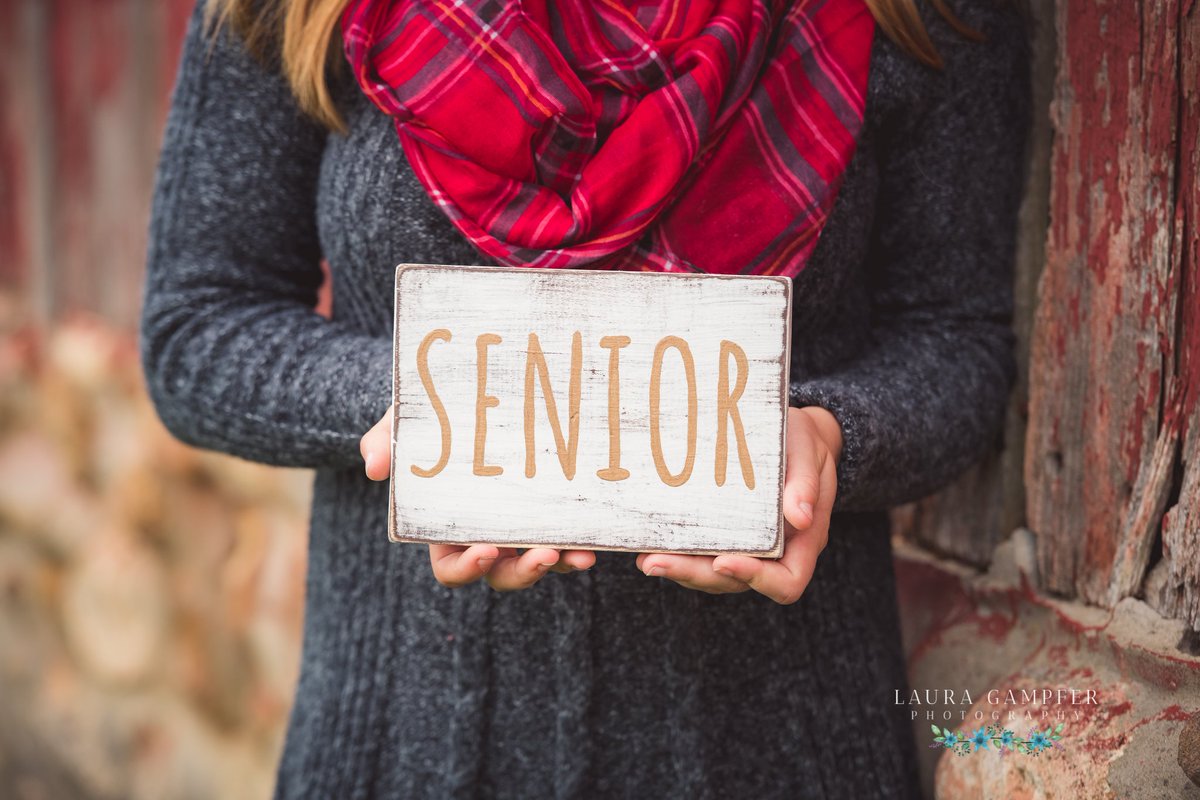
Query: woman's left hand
point(814, 445)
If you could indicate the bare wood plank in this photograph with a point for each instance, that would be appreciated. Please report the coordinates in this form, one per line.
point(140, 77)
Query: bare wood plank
point(1173, 586)
point(599, 410)
point(1137, 535)
point(1177, 592)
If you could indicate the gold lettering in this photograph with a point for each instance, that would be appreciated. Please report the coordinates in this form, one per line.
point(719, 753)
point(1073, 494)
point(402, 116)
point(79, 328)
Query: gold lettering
point(535, 361)
point(483, 401)
point(614, 471)
point(727, 409)
point(441, 334)
point(689, 366)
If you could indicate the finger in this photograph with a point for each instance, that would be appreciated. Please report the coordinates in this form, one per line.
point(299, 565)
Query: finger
point(782, 583)
point(574, 561)
point(694, 572)
point(579, 559)
point(454, 565)
point(785, 580)
point(523, 571)
point(376, 448)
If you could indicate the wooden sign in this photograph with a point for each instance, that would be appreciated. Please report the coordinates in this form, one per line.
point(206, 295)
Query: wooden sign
point(590, 410)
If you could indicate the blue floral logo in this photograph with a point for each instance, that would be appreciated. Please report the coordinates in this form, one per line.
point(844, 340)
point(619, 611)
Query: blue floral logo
point(997, 739)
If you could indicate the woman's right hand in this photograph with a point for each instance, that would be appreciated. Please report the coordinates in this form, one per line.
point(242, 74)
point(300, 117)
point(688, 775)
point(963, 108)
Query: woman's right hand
point(504, 568)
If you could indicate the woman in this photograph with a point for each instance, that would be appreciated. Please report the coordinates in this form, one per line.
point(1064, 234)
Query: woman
point(656, 675)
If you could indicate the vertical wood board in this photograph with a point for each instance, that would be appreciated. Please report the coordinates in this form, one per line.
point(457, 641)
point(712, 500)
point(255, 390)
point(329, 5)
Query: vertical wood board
point(1108, 398)
point(84, 91)
point(1179, 590)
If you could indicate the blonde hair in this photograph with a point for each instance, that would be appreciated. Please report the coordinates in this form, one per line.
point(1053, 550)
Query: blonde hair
point(305, 35)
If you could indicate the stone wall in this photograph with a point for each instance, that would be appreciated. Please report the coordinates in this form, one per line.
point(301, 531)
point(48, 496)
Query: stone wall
point(151, 595)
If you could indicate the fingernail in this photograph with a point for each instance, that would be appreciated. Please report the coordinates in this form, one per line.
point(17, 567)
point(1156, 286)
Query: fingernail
point(486, 562)
point(367, 466)
point(723, 571)
point(654, 572)
point(806, 508)
point(544, 567)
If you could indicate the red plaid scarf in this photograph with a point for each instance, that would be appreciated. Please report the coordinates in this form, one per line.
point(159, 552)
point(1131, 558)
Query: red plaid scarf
point(705, 135)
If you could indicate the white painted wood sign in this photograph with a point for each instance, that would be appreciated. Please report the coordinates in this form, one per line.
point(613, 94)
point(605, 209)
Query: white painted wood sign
point(590, 410)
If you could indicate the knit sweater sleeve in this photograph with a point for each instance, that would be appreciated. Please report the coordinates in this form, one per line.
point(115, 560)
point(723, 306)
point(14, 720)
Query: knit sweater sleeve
point(235, 358)
point(926, 397)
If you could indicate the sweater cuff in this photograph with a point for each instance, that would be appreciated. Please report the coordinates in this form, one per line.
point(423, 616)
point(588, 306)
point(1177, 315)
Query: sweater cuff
point(843, 401)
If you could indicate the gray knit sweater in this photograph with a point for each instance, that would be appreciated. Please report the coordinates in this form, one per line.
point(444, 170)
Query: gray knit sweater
point(606, 683)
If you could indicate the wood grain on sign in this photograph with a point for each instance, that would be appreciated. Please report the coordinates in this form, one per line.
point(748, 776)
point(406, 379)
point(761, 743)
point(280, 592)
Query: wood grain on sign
point(588, 409)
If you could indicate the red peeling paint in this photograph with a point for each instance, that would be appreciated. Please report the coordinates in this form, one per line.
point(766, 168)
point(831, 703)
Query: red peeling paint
point(1120, 265)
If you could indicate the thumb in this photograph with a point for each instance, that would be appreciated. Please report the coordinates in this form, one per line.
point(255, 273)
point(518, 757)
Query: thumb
point(376, 448)
point(802, 481)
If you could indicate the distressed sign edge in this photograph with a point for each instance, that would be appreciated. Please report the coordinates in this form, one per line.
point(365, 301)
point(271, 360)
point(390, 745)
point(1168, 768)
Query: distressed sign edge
point(414, 537)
